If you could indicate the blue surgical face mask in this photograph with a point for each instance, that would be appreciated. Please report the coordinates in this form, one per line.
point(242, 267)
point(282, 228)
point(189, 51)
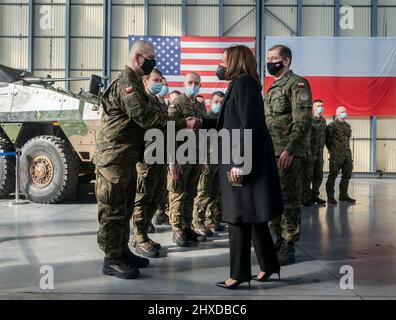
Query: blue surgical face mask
point(319, 110)
point(192, 91)
point(164, 91)
point(343, 115)
point(156, 88)
point(215, 107)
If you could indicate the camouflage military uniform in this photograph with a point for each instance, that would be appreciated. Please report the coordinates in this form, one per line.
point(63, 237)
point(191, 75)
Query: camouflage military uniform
point(207, 202)
point(183, 191)
point(150, 187)
point(318, 132)
point(288, 109)
point(307, 170)
point(120, 146)
point(338, 134)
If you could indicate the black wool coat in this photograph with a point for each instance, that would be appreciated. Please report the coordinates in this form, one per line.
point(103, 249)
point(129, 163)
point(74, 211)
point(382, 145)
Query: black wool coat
point(259, 198)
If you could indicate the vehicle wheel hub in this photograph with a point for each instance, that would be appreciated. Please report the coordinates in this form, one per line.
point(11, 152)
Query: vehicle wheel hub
point(41, 171)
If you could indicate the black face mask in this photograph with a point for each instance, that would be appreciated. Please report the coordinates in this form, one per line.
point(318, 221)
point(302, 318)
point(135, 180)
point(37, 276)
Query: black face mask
point(148, 65)
point(220, 72)
point(274, 67)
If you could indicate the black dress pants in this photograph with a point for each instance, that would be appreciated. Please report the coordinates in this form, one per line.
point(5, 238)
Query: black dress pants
point(241, 236)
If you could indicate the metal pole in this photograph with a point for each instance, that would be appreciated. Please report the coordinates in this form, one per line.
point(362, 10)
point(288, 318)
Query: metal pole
point(30, 36)
point(336, 18)
point(146, 17)
point(299, 18)
point(221, 17)
point(17, 173)
point(67, 44)
point(184, 17)
point(373, 119)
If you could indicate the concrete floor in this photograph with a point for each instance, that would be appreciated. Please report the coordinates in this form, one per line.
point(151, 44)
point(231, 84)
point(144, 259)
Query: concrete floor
point(64, 237)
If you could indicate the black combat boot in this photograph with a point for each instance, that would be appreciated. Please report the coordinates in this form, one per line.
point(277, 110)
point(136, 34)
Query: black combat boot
point(307, 203)
point(331, 200)
point(347, 199)
point(134, 260)
point(119, 268)
point(193, 236)
point(179, 238)
point(318, 200)
point(286, 253)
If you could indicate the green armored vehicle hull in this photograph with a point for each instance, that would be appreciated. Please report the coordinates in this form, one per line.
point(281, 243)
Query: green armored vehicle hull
point(56, 131)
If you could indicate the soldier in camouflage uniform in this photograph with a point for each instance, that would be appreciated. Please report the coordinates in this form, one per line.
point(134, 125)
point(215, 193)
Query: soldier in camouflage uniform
point(338, 135)
point(120, 146)
point(318, 132)
point(162, 214)
point(307, 173)
point(288, 110)
point(207, 214)
point(313, 170)
point(151, 179)
point(183, 189)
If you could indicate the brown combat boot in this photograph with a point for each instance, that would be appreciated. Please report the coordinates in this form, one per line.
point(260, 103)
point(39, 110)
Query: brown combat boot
point(147, 249)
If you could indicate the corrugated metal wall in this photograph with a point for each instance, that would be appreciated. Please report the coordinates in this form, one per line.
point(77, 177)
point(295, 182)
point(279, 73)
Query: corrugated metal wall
point(165, 17)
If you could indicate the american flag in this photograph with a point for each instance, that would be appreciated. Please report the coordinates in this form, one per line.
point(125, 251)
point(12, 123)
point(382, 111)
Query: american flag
point(176, 56)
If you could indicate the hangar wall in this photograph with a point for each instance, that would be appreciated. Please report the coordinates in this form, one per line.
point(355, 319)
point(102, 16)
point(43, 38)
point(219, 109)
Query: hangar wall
point(80, 37)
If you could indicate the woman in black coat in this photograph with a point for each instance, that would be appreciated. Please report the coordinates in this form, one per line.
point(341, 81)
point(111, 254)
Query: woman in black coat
point(249, 199)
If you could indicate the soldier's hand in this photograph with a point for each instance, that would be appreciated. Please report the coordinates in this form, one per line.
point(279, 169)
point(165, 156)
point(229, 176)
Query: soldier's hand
point(236, 175)
point(176, 171)
point(193, 123)
point(285, 160)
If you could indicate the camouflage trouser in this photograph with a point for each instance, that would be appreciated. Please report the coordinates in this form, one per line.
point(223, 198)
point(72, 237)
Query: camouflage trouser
point(181, 196)
point(317, 175)
point(288, 224)
point(307, 179)
point(345, 164)
point(163, 205)
point(150, 189)
point(206, 210)
point(115, 189)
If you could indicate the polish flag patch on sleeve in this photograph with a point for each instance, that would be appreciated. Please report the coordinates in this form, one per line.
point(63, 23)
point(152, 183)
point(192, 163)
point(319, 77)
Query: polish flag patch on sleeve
point(129, 90)
point(301, 85)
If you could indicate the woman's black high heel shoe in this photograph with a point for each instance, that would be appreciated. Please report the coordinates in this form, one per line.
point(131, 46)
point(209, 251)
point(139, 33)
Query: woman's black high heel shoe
point(232, 286)
point(266, 276)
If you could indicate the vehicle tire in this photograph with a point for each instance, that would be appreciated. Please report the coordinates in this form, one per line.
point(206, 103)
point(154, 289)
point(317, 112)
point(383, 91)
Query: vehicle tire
point(49, 170)
point(7, 168)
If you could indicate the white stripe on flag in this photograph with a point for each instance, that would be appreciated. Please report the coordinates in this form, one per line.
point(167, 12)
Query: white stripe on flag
point(211, 56)
point(181, 78)
point(186, 44)
point(197, 68)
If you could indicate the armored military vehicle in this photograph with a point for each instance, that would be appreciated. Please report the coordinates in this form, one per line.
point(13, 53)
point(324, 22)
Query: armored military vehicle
point(56, 131)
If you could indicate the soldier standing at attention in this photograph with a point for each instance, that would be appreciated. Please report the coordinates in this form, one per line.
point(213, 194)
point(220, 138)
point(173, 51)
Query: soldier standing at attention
point(207, 203)
point(162, 215)
point(313, 170)
point(318, 133)
point(151, 179)
point(183, 179)
point(338, 135)
point(119, 147)
point(288, 111)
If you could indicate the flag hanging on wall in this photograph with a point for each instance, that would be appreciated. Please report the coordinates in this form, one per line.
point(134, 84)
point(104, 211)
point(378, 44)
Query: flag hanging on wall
point(176, 56)
point(358, 73)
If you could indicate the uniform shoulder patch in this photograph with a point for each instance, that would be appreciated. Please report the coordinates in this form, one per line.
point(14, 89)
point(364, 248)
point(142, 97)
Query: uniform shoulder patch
point(129, 89)
point(300, 85)
point(304, 97)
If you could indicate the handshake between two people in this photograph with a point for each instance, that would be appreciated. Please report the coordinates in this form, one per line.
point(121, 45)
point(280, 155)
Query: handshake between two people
point(193, 123)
